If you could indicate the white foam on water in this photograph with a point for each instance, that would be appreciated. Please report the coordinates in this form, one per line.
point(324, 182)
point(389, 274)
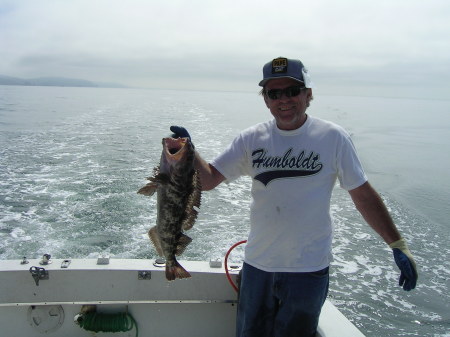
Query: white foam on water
point(346, 267)
point(20, 235)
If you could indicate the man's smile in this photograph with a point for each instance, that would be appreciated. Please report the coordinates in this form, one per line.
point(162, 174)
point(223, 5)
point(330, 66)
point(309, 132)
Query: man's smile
point(286, 108)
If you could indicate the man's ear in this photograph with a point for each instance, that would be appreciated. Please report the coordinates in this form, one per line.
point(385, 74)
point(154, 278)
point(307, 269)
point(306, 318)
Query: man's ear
point(265, 101)
point(309, 97)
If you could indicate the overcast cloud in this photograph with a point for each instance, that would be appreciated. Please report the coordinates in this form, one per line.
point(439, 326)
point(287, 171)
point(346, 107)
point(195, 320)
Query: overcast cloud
point(350, 46)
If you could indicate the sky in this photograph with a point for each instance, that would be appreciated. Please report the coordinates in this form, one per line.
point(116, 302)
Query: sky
point(351, 47)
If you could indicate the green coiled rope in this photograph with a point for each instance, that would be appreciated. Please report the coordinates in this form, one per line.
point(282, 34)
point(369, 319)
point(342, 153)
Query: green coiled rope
point(99, 322)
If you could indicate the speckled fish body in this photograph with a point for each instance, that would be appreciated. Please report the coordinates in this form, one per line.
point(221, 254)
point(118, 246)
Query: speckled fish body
point(178, 189)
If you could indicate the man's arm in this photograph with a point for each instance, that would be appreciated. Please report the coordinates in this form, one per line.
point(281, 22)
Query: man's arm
point(209, 176)
point(372, 208)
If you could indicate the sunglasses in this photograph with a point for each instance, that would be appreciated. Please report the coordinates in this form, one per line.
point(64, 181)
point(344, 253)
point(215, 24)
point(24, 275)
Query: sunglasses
point(289, 92)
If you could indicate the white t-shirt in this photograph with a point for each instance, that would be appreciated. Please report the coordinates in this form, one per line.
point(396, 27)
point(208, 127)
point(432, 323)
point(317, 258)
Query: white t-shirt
point(293, 175)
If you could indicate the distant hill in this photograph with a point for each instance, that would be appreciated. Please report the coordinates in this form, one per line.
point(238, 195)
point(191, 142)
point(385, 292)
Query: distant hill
point(55, 82)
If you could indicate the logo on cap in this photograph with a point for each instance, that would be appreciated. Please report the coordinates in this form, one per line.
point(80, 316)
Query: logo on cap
point(279, 65)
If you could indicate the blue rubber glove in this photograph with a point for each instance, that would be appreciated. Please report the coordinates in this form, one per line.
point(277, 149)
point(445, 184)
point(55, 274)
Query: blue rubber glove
point(179, 132)
point(406, 264)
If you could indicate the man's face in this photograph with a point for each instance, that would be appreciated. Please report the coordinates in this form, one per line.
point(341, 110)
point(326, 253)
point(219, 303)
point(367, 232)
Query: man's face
point(289, 112)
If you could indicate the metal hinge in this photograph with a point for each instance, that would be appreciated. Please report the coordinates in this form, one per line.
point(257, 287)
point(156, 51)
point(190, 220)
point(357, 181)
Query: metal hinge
point(39, 273)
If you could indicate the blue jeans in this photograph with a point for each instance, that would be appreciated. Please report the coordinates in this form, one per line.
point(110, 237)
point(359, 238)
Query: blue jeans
point(280, 304)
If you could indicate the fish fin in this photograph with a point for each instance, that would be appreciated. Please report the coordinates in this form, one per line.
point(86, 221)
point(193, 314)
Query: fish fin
point(193, 203)
point(160, 178)
point(155, 180)
point(176, 271)
point(148, 189)
point(197, 189)
point(183, 242)
point(154, 238)
point(155, 171)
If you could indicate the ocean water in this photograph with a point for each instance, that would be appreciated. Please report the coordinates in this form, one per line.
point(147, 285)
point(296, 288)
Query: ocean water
point(72, 159)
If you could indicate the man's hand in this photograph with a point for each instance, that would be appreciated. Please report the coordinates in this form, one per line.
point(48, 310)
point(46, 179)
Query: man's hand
point(406, 264)
point(179, 132)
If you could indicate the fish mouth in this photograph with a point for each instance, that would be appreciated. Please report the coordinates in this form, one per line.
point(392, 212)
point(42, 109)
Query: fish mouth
point(175, 148)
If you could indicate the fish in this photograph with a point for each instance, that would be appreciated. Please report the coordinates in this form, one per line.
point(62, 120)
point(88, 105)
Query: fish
point(178, 187)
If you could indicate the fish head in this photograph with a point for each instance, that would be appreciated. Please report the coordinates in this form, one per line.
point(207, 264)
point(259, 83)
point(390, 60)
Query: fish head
point(177, 153)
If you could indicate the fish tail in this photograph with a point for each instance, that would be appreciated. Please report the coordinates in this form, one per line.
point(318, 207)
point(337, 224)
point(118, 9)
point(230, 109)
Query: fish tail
point(176, 271)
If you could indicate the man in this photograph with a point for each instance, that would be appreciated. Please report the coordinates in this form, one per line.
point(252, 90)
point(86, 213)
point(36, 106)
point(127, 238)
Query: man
point(294, 161)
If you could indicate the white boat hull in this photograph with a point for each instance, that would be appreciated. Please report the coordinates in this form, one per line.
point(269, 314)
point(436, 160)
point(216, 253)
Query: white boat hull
point(203, 305)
